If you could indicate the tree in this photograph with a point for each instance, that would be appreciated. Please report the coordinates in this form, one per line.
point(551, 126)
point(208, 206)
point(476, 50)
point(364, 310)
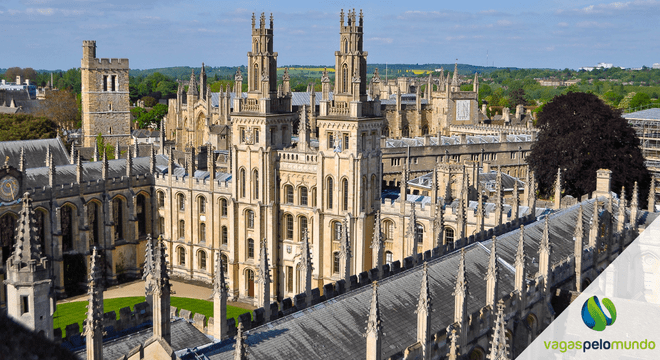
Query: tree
point(640, 99)
point(25, 127)
point(101, 145)
point(580, 134)
point(152, 118)
point(61, 106)
point(518, 97)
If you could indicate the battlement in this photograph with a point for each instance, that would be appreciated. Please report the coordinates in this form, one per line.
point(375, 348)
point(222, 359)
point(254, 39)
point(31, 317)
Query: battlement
point(107, 64)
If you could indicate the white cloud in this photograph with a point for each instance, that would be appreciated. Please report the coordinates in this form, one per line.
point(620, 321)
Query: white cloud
point(381, 40)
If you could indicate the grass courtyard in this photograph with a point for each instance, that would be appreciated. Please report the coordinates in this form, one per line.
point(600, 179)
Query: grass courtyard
point(69, 313)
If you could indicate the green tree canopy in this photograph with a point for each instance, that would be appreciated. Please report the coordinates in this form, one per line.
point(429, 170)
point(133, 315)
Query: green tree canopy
point(26, 127)
point(580, 134)
point(640, 99)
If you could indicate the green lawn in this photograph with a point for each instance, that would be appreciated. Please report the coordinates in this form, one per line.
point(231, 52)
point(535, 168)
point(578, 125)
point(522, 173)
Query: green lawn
point(72, 312)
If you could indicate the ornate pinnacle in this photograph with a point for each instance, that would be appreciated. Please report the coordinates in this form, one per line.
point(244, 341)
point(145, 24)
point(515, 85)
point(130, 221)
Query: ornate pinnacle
point(219, 283)
point(453, 347)
point(461, 279)
point(520, 253)
point(149, 259)
point(28, 244)
point(373, 323)
point(424, 303)
point(499, 346)
point(493, 268)
point(240, 347)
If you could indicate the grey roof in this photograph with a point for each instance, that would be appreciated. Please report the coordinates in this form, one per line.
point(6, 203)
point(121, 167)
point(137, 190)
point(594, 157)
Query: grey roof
point(650, 114)
point(406, 99)
point(488, 180)
point(145, 133)
point(302, 98)
point(184, 335)
point(35, 152)
point(455, 140)
point(333, 329)
point(215, 98)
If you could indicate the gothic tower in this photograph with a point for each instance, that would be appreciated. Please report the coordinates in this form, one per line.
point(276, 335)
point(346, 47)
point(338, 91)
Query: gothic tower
point(105, 102)
point(350, 60)
point(29, 286)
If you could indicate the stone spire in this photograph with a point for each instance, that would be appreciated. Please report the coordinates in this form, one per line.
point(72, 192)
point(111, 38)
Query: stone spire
point(28, 273)
point(634, 208)
point(520, 264)
point(96, 153)
point(377, 246)
point(202, 81)
point(117, 150)
point(93, 329)
point(527, 190)
point(480, 208)
point(79, 169)
point(558, 190)
point(412, 223)
point(129, 162)
point(161, 289)
point(152, 159)
point(306, 267)
point(454, 78)
point(264, 280)
point(499, 349)
point(439, 225)
point(516, 201)
point(136, 148)
point(21, 160)
point(461, 218)
point(594, 228)
point(149, 269)
point(345, 253)
point(219, 300)
point(532, 194)
point(241, 346)
point(404, 182)
point(578, 236)
point(453, 354)
point(499, 203)
point(475, 83)
point(492, 276)
point(72, 156)
point(161, 135)
point(621, 221)
point(303, 130)
point(48, 157)
point(461, 292)
point(544, 256)
point(651, 199)
point(104, 165)
point(374, 328)
point(52, 172)
point(424, 314)
point(192, 85)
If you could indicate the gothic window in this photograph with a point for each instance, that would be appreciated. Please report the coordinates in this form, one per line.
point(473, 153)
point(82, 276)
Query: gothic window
point(161, 225)
point(419, 234)
point(405, 132)
point(388, 229)
point(344, 76)
point(250, 249)
point(118, 217)
point(242, 177)
point(374, 188)
point(363, 193)
point(336, 227)
point(303, 226)
point(345, 46)
point(386, 131)
point(288, 222)
point(7, 229)
point(202, 205)
point(303, 196)
point(344, 144)
point(250, 219)
point(288, 193)
point(255, 77)
point(255, 176)
point(224, 235)
point(141, 210)
point(425, 130)
point(331, 140)
point(182, 202)
point(40, 219)
point(105, 82)
point(223, 207)
point(67, 228)
point(242, 131)
point(449, 235)
point(182, 229)
point(330, 191)
point(201, 254)
point(202, 232)
point(363, 141)
point(256, 136)
point(182, 255)
point(314, 197)
point(289, 278)
point(388, 258)
point(93, 221)
point(161, 199)
point(344, 189)
point(335, 262)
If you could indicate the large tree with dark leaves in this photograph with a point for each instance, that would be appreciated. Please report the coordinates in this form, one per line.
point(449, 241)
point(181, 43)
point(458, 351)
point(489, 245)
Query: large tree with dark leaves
point(580, 134)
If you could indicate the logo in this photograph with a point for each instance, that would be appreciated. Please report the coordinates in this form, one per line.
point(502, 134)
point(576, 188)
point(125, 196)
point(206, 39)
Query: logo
point(593, 315)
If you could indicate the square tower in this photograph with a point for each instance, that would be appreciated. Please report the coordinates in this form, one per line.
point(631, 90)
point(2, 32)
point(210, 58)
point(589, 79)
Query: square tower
point(105, 98)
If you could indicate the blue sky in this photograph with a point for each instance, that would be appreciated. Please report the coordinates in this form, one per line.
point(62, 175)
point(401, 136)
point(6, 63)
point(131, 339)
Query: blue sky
point(48, 34)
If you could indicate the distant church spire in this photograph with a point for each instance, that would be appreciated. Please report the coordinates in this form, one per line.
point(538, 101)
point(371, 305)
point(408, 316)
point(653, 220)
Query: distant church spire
point(192, 86)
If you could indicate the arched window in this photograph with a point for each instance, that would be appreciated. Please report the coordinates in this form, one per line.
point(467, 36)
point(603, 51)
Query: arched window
point(330, 191)
point(344, 190)
point(344, 76)
point(242, 179)
point(314, 197)
point(141, 210)
point(202, 205)
point(40, 219)
point(224, 235)
point(182, 202)
point(374, 188)
point(363, 193)
point(345, 46)
point(182, 229)
point(303, 226)
point(250, 219)
point(161, 199)
point(223, 258)
point(425, 130)
point(223, 207)
point(335, 262)
point(388, 258)
point(303, 196)
point(161, 225)
point(405, 132)
point(182, 255)
point(288, 223)
point(386, 131)
point(118, 217)
point(202, 232)
point(255, 177)
point(449, 235)
point(419, 234)
point(388, 229)
point(93, 219)
point(336, 227)
point(250, 249)
point(201, 259)
point(288, 194)
point(255, 77)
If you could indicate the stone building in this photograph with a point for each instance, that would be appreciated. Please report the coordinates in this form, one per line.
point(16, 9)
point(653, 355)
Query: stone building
point(105, 98)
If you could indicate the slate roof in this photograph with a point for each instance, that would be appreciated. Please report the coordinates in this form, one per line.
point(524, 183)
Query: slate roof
point(488, 180)
point(455, 140)
point(35, 152)
point(184, 335)
point(648, 114)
